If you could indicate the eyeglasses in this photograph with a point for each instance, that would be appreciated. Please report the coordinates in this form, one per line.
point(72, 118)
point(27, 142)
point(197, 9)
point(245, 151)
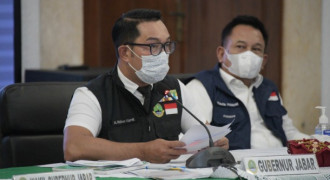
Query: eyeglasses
point(156, 48)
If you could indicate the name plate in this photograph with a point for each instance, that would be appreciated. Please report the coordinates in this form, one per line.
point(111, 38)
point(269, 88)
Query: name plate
point(281, 165)
point(63, 175)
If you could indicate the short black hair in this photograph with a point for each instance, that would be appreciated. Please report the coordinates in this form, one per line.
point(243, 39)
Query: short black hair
point(246, 20)
point(125, 28)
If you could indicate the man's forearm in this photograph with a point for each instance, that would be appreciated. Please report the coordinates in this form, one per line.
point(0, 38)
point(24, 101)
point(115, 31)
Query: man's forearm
point(78, 145)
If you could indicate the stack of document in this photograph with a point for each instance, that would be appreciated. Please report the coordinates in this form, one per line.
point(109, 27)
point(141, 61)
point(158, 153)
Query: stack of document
point(136, 168)
point(103, 167)
point(105, 163)
point(171, 171)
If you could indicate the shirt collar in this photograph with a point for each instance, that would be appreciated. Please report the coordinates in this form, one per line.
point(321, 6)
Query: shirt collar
point(232, 81)
point(129, 85)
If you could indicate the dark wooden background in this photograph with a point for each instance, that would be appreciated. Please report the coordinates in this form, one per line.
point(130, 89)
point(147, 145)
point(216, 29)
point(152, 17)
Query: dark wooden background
point(196, 25)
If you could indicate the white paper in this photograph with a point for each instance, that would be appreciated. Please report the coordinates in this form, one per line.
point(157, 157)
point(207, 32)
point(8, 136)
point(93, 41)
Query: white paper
point(182, 159)
point(52, 165)
point(117, 175)
point(172, 174)
point(196, 138)
point(103, 163)
point(104, 171)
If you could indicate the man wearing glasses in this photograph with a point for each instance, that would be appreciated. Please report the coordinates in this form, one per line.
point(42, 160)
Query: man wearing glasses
point(124, 114)
point(234, 91)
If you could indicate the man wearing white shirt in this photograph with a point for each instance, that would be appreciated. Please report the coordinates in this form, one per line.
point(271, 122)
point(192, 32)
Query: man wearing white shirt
point(234, 91)
point(124, 113)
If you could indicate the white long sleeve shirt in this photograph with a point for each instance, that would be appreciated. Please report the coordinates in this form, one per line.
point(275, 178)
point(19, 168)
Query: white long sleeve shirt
point(261, 136)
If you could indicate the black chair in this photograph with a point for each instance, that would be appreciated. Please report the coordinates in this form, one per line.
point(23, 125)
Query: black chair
point(32, 117)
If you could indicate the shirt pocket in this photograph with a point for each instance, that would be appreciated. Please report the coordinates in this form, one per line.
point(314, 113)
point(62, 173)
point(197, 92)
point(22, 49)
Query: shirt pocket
point(132, 126)
point(275, 109)
point(274, 114)
point(168, 128)
point(224, 114)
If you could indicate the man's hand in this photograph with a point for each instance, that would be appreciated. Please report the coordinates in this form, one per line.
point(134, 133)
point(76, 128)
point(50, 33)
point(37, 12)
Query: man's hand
point(223, 143)
point(162, 151)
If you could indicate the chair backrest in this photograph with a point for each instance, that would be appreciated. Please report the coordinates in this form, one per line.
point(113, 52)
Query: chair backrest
point(32, 117)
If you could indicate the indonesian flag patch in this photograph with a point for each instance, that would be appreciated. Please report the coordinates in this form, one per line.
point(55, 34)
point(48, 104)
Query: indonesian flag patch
point(171, 108)
point(273, 96)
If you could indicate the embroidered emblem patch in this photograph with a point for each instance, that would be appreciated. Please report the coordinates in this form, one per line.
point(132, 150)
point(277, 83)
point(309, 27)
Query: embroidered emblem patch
point(167, 98)
point(273, 96)
point(171, 108)
point(158, 110)
point(174, 94)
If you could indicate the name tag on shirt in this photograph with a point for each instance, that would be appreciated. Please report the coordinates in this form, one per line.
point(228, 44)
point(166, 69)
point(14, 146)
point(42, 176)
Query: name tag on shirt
point(123, 121)
point(223, 104)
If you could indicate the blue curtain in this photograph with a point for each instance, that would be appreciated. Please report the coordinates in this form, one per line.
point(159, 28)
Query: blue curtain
point(6, 42)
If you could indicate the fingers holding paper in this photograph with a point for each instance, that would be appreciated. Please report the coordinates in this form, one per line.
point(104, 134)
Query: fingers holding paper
point(223, 143)
point(162, 151)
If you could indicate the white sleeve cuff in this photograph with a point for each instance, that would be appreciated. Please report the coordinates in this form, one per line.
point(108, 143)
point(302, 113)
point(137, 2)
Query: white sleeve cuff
point(85, 111)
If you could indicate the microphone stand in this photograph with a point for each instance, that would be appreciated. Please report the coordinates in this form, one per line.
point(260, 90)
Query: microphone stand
point(209, 157)
point(211, 144)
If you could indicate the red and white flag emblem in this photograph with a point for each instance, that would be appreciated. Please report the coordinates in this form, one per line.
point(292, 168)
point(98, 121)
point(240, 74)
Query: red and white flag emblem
point(273, 96)
point(171, 108)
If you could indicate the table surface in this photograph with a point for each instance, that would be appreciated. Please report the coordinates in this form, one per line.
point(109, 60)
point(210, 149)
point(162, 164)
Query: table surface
point(7, 173)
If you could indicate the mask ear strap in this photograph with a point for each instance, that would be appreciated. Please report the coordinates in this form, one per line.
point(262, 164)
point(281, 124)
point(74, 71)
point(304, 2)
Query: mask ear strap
point(223, 63)
point(227, 53)
point(132, 67)
point(135, 55)
point(133, 52)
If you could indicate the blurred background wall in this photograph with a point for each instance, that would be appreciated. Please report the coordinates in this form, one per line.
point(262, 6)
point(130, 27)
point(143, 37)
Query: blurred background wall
point(301, 61)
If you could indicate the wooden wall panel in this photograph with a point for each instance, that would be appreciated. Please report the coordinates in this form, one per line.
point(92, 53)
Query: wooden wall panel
point(206, 19)
point(99, 17)
point(196, 25)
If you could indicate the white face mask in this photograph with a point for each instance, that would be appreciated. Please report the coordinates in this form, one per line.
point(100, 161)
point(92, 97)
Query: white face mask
point(244, 65)
point(154, 68)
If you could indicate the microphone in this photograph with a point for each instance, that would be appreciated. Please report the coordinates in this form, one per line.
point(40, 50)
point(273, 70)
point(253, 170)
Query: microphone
point(211, 156)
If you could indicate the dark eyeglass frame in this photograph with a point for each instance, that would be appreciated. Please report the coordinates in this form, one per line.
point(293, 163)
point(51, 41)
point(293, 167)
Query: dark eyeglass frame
point(170, 44)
